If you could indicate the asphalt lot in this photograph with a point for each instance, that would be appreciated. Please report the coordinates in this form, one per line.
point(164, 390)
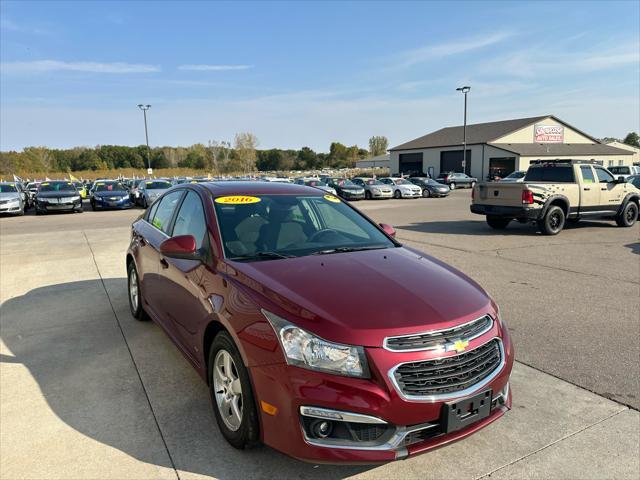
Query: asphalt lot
point(88, 392)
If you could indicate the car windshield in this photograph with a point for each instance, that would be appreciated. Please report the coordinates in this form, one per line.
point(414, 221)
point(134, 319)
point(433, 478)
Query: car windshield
point(403, 181)
point(109, 187)
point(516, 175)
point(373, 182)
point(157, 185)
point(635, 181)
point(314, 183)
point(8, 188)
point(620, 170)
point(343, 182)
point(431, 181)
point(268, 227)
point(57, 187)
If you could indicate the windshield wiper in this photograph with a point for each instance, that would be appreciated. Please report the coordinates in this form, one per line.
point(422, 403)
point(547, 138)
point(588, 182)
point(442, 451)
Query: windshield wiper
point(264, 255)
point(347, 249)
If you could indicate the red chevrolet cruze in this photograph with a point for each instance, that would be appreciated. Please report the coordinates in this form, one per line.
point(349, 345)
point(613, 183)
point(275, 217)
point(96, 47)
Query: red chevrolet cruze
point(317, 332)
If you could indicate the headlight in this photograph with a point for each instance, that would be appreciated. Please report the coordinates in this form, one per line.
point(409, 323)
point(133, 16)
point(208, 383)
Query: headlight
point(305, 350)
point(375, 190)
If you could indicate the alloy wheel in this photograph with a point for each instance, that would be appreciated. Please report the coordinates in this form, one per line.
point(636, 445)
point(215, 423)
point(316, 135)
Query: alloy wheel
point(133, 289)
point(228, 390)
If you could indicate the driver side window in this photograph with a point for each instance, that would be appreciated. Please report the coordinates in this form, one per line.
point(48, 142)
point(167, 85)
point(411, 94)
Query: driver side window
point(603, 175)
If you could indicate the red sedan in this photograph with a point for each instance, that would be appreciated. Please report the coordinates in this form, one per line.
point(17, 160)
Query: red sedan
point(317, 332)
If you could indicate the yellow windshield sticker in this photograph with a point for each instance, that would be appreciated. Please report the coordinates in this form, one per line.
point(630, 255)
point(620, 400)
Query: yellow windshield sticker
point(100, 184)
point(12, 184)
point(332, 198)
point(45, 183)
point(193, 181)
point(237, 199)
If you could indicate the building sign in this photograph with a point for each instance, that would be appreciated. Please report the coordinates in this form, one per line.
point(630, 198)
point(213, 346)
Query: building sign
point(548, 134)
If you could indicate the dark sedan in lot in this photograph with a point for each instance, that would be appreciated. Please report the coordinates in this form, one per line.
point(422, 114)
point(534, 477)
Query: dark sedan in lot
point(430, 188)
point(317, 332)
point(57, 196)
point(110, 194)
point(346, 188)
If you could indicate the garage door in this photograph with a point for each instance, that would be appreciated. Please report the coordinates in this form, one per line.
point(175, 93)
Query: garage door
point(451, 161)
point(411, 163)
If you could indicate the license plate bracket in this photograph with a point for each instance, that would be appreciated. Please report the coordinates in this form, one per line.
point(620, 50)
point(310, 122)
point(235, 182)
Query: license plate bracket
point(462, 413)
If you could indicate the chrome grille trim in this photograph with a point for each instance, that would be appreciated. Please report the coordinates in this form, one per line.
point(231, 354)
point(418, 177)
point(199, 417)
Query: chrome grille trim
point(443, 333)
point(449, 395)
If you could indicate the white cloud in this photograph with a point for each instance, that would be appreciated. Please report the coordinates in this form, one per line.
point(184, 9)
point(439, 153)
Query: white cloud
point(213, 68)
point(415, 56)
point(41, 66)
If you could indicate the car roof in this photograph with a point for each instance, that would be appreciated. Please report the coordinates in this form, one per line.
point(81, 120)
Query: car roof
point(257, 188)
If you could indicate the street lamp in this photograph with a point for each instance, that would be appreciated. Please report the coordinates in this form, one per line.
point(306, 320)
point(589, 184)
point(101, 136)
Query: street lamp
point(464, 90)
point(144, 109)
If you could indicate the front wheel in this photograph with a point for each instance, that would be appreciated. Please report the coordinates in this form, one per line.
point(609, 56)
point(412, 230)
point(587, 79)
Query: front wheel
point(497, 223)
point(367, 195)
point(397, 194)
point(426, 193)
point(452, 186)
point(231, 394)
point(628, 216)
point(553, 221)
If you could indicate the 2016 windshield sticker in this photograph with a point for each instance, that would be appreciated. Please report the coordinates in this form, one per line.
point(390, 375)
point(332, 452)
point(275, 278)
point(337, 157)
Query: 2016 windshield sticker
point(237, 199)
point(332, 198)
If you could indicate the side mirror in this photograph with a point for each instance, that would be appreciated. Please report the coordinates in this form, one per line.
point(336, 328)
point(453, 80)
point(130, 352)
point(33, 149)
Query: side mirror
point(182, 247)
point(388, 229)
point(622, 180)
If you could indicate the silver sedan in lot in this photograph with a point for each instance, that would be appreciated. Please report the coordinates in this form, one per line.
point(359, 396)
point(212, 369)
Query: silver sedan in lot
point(11, 199)
point(149, 190)
point(373, 188)
point(402, 188)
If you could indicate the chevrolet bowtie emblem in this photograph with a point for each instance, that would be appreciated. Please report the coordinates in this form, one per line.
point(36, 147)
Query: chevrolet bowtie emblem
point(460, 345)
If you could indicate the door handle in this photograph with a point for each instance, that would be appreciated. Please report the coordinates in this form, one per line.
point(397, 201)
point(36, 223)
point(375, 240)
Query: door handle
point(604, 189)
point(164, 263)
point(587, 189)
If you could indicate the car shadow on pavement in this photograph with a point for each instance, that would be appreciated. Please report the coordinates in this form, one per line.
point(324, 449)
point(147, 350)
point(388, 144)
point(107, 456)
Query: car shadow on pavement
point(68, 338)
point(635, 247)
point(468, 227)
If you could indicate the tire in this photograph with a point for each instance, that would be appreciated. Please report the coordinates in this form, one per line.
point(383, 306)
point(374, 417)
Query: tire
point(135, 304)
point(426, 193)
point(367, 195)
point(473, 184)
point(397, 195)
point(144, 203)
point(238, 426)
point(628, 216)
point(497, 223)
point(553, 221)
point(452, 186)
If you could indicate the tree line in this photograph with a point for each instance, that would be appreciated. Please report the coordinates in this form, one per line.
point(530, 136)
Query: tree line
point(218, 157)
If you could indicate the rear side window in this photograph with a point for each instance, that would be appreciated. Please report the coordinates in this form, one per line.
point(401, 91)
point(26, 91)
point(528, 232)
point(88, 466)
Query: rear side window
point(190, 219)
point(587, 174)
point(604, 176)
point(554, 174)
point(165, 210)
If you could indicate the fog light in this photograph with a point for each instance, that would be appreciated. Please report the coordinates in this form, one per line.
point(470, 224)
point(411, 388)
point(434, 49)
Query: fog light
point(321, 428)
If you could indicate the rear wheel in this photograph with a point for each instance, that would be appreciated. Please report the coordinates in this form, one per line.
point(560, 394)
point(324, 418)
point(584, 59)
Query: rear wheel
point(452, 186)
point(133, 287)
point(397, 194)
point(628, 216)
point(231, 394)
point(367, 195)
point(553, 221)
point(497, 223)
point(426, 193)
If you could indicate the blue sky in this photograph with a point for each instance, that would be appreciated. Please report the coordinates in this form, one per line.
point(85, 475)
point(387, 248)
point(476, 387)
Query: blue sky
point(302, 73)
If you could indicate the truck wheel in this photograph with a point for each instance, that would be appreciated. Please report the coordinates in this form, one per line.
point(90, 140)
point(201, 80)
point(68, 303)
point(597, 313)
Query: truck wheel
point(553, 221)
point(628, 216)
point(497, 223)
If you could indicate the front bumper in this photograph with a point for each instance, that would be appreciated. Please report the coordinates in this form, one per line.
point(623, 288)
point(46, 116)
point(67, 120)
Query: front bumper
point(506, 211)
point(105, 202)
point(381, 194)
point(410, 194)
point(411, 427)
point(347, 195)
point(59, 207)
point(13, 207)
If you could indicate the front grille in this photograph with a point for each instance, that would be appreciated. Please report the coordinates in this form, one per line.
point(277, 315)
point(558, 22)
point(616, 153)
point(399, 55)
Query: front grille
point(366, 432)
point(439, 338)
point(449, 374)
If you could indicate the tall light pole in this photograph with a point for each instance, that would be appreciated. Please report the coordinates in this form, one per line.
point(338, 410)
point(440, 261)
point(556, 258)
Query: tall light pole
point(464, 90)
point(144, 109)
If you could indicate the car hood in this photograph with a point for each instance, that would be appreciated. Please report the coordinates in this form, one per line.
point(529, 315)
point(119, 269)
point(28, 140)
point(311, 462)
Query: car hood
point(60, 194)
point(114, 193)
point(350, 188)
point(9, 196)
point(362, 297)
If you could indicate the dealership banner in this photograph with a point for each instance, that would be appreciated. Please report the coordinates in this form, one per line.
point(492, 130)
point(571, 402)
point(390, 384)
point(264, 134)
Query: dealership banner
point(548, 134)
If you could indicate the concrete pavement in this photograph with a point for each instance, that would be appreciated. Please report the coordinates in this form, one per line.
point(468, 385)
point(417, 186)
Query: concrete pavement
point(88, 392)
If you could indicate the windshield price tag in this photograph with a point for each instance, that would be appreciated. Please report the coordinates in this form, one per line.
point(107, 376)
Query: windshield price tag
point(237, 199)
point(331, 198)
